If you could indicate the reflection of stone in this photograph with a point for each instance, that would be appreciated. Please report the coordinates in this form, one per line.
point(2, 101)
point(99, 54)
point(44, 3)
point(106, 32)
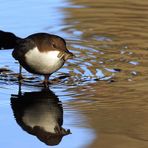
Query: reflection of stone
point(40, 114)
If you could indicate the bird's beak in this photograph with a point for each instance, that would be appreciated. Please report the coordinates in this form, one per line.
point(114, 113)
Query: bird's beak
point(69, 56)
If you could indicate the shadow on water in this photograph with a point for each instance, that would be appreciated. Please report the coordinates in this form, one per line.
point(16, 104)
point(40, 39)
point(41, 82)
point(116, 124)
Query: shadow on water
point(40, 114)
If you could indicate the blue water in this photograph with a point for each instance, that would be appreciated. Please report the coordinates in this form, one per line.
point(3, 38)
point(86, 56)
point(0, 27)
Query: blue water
point(24, 18)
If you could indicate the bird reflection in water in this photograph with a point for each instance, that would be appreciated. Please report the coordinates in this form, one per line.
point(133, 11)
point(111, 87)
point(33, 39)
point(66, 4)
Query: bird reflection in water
point(40, 114)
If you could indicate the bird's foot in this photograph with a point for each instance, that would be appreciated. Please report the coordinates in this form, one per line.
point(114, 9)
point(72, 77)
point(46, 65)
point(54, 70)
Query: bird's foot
point(46, 83)
point(20, 77)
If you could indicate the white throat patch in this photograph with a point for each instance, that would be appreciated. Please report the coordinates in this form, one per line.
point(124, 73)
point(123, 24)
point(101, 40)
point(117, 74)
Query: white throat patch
point(43, 62)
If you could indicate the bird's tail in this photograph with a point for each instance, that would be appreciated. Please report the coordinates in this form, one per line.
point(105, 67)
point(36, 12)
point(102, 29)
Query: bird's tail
point(7, 40)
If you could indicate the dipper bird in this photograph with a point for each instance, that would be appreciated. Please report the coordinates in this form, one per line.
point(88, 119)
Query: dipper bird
point(39, 53)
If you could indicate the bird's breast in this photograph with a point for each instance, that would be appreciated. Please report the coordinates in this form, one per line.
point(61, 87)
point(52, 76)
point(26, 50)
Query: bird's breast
point(43, 62)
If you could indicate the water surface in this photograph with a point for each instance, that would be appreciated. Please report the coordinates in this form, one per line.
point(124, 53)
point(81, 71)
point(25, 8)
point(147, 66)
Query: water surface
point(112, 42)
point(105, 98)
point(27, 116)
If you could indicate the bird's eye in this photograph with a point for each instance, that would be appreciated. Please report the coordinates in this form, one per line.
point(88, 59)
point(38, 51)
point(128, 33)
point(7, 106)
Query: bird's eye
point(53, 45)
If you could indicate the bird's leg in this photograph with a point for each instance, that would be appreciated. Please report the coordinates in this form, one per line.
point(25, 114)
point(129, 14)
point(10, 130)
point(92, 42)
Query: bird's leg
point(46, 81)
point(20, 88)
point(20, 73)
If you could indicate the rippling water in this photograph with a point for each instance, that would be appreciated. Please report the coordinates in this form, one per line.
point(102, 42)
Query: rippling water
point(104, 89)
point(110, 39)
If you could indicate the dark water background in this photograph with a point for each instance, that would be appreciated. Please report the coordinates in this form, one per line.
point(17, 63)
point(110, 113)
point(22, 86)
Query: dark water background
point(105, 98)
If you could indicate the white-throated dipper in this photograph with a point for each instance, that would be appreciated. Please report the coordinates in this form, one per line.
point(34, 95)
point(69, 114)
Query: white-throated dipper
point(39, 53)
